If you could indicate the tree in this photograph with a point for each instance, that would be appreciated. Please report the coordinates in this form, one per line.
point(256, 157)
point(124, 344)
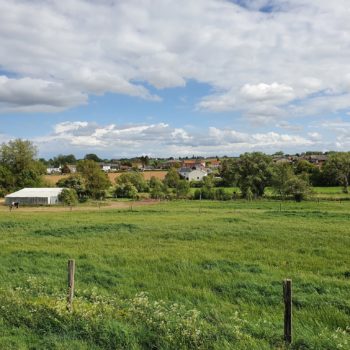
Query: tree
point(286, 183)
point(68, 196)
point(126, 190)
point(298, 187)
point(18, 157)
point(314, 173)
point(75, 182)
point(7, 181)
point(282, 172)
point(93, 156)
point(144, 161)
point(253, 172)
point(156, 163)
point(135, 178)
point(96, 181)
point(338, 166)
point(172, 178)
point(229, 178)
point(63, 159)
point(153, 182)
point(158, 189)
point(182, 189)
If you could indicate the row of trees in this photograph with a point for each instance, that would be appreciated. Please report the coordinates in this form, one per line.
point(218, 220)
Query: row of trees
point(91, 182)
point(253, 172)
point(130, 185)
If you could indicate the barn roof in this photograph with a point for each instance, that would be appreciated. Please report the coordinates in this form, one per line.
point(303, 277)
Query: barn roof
point(36, 192)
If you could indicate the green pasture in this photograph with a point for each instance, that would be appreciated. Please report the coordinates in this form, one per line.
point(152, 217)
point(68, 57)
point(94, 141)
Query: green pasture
point(322, 193)
point(210, 274)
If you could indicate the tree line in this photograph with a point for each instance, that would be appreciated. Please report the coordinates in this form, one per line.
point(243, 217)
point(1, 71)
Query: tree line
point(252, 173)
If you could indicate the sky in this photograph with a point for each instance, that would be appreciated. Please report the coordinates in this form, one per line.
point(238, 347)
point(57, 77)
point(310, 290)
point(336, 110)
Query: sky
point(124, 78)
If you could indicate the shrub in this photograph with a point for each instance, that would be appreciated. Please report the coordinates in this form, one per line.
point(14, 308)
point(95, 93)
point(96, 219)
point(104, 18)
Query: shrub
point(175, 327)
point(68, 196)
point(222, 195)
point(126, 190)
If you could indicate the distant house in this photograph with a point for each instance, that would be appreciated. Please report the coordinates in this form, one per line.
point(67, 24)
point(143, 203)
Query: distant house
point(125, 167)
point(193, 174)
point(72, 168)
point(52, 170)
point(193, 163)
point(213, 163)
point(34, 196)
point(282, 159)
point(318, 159)
point(109, 167)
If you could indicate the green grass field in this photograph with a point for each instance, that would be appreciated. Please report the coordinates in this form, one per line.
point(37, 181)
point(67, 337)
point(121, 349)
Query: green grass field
point(210, 274)
point(318, 193)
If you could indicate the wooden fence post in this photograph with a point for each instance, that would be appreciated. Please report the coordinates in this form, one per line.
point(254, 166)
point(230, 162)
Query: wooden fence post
point(71, 271)
point(287, 297)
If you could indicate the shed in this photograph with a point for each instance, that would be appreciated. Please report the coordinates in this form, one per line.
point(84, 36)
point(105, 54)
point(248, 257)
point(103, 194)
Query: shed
point(34, 196)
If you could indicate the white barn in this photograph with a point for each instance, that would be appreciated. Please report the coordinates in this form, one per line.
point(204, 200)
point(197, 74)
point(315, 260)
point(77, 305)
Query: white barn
point(192, 175)
point(34, 196)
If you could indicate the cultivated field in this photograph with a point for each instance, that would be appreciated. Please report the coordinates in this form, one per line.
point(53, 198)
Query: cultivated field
point(52, 179)
point(210, 272)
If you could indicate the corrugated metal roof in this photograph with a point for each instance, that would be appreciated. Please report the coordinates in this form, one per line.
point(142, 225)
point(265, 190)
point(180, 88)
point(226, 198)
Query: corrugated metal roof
point(36, 192)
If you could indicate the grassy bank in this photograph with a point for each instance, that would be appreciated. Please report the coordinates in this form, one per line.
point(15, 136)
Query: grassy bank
point(220, 264)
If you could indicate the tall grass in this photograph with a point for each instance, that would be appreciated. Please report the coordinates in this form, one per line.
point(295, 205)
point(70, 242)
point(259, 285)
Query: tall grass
point(209, 274)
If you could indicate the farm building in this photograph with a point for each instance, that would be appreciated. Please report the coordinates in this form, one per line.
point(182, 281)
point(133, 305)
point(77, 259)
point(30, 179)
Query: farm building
point(34, 196)
point(192, 175)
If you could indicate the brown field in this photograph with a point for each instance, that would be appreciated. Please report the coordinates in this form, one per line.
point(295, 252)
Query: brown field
point(52, 179)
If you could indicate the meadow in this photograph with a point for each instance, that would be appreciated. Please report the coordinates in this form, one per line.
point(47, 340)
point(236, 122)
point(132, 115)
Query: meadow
point(177, 275)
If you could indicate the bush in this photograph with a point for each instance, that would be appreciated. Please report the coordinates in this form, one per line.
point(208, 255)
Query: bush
point(126, 190)
point(134, 178)
point(175, 327)
point(68, 196)
point(222, 195)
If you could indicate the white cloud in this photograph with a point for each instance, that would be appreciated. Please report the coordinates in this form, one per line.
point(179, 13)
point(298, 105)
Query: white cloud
point(33, 95)
point(315, 136)
point(288, 126)
point(273, 93)
point(162, 140)
point(68, 49)
point(69, 126)
point(341, 129)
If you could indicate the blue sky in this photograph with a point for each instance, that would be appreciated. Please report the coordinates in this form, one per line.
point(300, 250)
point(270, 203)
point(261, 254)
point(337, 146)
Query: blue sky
point(163, 78)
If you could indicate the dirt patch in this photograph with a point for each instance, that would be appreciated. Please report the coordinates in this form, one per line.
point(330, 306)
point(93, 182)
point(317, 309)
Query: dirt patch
point(105, 206)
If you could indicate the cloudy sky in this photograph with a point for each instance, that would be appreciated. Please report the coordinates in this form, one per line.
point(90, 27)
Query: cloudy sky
point(175, 78)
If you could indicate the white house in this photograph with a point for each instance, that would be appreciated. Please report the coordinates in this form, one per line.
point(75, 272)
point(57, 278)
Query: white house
point(109, 167)
point(192, 175)
point(34, 196)
point(52, 170)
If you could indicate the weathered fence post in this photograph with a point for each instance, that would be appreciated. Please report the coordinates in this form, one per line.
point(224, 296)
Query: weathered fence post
point(287, 297)
point(71, 271)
